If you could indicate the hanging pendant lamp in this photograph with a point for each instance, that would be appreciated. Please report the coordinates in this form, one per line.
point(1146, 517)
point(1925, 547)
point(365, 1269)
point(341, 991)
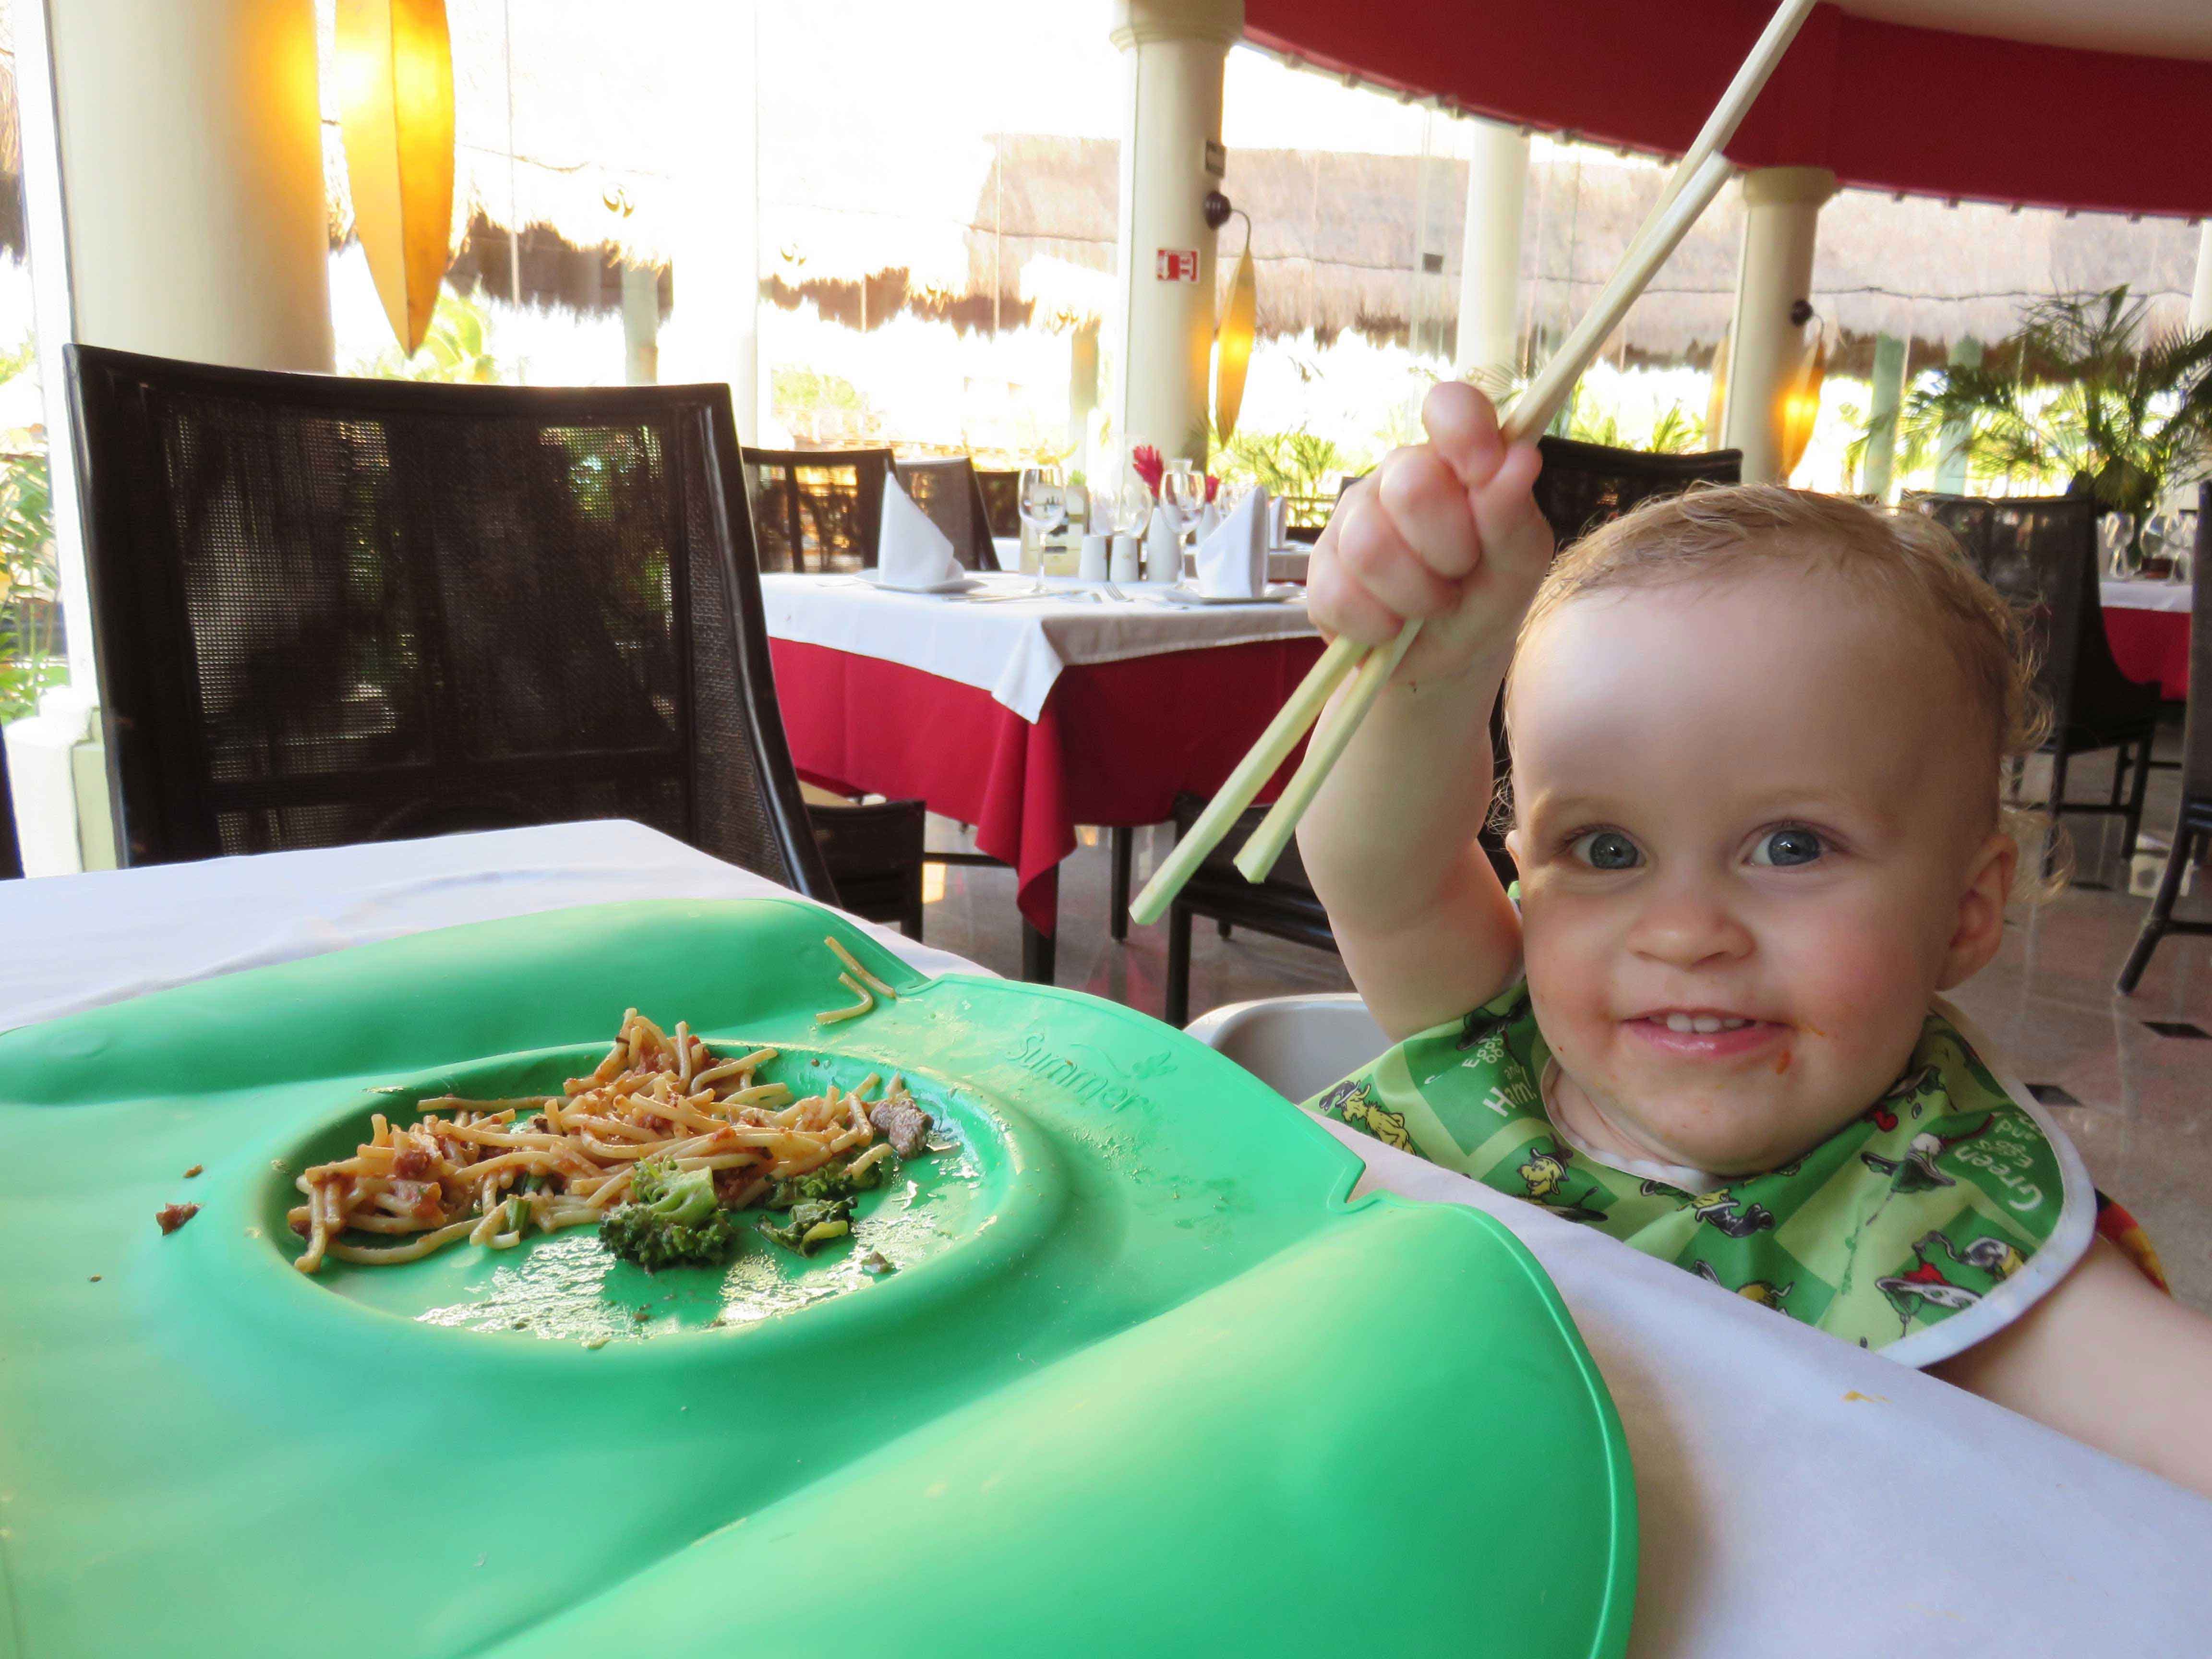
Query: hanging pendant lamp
point(396, 92)
point(1233, 339)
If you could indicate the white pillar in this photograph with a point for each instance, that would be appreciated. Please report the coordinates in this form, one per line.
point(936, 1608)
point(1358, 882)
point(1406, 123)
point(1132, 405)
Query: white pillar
point(1174, 52)
point(2200, 298)
point(1951, 443)
point(713, 329)
point(1891, 355)
point(1782, 213)
point(1490, 259)
point(640, 314)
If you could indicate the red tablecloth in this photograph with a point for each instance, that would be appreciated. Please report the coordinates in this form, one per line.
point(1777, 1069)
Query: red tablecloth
point(1113, 744)
point(2151, 647)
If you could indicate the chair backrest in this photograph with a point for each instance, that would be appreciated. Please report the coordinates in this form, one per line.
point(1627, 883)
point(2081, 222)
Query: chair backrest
point(816, 509)
point(2197, 733)
point(1585, 485)
point(11, 851)
point(948, 491)
point(332, 611)
point(2040, 552)
point(1002, 499)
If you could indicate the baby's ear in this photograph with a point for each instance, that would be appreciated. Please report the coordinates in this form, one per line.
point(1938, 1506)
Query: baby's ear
point(1980, 927)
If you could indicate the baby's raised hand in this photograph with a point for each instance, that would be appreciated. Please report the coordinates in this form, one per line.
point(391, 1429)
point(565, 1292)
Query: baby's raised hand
point(1446, 531)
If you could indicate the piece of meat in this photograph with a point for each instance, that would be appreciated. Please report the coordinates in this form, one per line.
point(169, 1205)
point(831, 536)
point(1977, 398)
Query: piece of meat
point(906, 1127)
point(194, 1170)
point(411, 1164)
point(173, 1216)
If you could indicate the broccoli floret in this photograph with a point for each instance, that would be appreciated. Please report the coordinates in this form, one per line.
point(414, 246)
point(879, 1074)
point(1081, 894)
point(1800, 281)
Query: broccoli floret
point(814, 1223)
point(671, 1220)
point(834, 1180)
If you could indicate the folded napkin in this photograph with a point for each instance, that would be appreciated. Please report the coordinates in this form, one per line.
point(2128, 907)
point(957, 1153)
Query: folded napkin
point(913, 552)
point(1232, 562)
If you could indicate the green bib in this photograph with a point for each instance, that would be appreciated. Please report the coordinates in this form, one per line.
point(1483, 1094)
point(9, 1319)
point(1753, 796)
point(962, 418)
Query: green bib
point(1918, 1228)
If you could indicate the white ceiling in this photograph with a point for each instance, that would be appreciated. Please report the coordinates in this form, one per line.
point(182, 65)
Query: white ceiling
point(2159, 28)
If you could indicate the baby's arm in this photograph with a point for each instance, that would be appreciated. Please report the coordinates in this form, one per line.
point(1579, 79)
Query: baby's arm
point(2110, 1359)
point(1448, 531)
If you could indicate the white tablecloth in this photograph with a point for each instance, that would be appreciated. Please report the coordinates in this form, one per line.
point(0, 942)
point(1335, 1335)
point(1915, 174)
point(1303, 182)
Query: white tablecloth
point(1015, 649)
point(2144, 596)
point(1796, 1496)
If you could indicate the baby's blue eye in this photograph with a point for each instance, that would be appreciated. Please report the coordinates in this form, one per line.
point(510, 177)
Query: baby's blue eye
point(1788, 847)
point(1606, 849)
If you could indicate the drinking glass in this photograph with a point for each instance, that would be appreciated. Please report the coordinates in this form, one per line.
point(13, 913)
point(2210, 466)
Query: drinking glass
point(1133, 503)
point(1182, 491)
point(1044, 505)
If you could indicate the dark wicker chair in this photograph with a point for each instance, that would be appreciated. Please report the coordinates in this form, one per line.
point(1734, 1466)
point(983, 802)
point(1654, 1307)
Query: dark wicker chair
point(949, 492)
point(1002, 499)
point(874, 852)
point(2192, 830)
point(332, 611)
point(816, 509)
point(1582, 486)
point(11, 852)
point(2040, 552)
point(1283, 905)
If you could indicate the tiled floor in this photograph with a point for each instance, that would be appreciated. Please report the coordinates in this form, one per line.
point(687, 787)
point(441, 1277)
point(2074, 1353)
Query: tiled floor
point(2130, 1077)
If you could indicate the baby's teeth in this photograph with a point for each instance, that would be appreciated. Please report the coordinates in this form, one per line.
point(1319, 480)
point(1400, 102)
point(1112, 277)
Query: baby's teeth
point(1681, 1023)
point(1706, 1024)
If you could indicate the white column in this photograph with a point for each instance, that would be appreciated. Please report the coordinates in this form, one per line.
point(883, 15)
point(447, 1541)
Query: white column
point(641, 315)
point(1951, 443)
point(1782, 213)
point(1891, 355)
point(713, 329)
point(1174, 52)
point(1490, 259)
point(2200, 298)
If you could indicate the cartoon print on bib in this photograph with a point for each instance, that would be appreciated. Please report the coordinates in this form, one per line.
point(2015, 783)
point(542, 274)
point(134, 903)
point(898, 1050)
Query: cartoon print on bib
point(1920, 1226)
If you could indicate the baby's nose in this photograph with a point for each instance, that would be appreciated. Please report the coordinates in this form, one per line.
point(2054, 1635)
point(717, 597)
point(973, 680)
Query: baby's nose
point(1686, 926)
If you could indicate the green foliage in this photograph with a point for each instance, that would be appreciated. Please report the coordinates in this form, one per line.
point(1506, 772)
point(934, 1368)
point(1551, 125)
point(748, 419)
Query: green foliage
point(30, 602)
point(457, 350)
point(817, 408)
point(1287, 463)
point(2085, 386)
point(671, 1220)
point(1675, 432)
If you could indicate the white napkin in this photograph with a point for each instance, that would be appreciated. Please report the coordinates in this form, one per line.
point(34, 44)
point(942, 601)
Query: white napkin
point(1163, 549)
point(913, 552)
point(1232, 562)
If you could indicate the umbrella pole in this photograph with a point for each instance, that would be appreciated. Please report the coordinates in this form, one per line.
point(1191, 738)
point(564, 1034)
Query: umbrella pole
point(1696, 179)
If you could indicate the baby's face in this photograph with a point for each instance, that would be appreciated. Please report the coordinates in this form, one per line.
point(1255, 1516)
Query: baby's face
point(1757, 806)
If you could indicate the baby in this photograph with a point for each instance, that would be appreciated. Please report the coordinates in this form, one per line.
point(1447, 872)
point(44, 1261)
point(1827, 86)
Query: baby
point(1757, 737)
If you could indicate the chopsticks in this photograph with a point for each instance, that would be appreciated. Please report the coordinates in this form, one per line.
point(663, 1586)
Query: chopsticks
point(1696, 179)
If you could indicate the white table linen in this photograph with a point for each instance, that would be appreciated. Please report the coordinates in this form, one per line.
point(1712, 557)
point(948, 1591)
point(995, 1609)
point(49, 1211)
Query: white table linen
point(1014, 649)
point(1796, 1495)
point(2169, 597)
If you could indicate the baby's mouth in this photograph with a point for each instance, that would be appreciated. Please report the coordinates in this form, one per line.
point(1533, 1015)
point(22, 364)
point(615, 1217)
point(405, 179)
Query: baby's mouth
point(1700, 1023)
point(1703, 1033)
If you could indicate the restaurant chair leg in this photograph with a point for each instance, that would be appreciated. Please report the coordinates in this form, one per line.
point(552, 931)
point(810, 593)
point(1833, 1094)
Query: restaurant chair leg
point(1122, 843)
point(1038, 954)
point(2161, 911)
point(2136, 795)
point(1222, 927)
point(1178, 989)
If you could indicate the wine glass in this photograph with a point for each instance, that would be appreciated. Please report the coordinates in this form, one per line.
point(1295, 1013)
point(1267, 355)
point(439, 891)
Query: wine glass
point(1182, 491)
point(2116, 539)
point(1133, 503)
point(1044, 505)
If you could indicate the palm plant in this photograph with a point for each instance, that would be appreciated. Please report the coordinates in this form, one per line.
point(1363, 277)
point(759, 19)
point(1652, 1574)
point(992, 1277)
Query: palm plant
point(2086, 388)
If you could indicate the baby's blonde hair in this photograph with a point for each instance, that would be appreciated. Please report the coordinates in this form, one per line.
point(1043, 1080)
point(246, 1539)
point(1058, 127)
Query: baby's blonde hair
point(1904, 560)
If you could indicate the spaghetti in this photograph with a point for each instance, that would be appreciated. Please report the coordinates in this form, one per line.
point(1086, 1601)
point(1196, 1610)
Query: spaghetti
point(490, 1170)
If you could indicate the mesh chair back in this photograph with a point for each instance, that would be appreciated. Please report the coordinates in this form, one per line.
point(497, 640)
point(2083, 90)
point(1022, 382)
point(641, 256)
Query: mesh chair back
point(816, 509)
point(2196, 736)
point(1585, 485)
point(11, 851)
point(2040, 552)
point(332, 610)
point(1002, 499)
point(948, 492)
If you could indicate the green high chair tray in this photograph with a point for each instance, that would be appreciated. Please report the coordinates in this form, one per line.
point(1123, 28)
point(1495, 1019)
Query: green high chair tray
point(1144, 1382)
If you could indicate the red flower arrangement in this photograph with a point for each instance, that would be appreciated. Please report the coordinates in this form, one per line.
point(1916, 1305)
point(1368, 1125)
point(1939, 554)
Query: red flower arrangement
point(1212, 484)
point(1144, 461)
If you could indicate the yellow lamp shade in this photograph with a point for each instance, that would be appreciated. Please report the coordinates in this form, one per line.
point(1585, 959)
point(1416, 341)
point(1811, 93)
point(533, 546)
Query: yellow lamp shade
point(396, 109)
point(1800, 407)
point(1233, 354)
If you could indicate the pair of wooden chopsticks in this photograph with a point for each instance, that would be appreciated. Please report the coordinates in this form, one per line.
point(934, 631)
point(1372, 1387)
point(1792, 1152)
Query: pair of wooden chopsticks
point(1697, 179)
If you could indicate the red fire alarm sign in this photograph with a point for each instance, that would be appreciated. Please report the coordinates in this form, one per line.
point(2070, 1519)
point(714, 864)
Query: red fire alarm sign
point(1178, 264)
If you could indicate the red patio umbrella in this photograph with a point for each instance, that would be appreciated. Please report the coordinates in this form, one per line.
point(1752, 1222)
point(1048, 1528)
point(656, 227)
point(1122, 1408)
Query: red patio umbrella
point(2095, 104)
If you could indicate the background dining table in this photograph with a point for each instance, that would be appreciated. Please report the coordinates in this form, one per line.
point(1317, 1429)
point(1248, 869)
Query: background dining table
point(2147, 623)
point(1795, 1493)
point(1026, 711)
